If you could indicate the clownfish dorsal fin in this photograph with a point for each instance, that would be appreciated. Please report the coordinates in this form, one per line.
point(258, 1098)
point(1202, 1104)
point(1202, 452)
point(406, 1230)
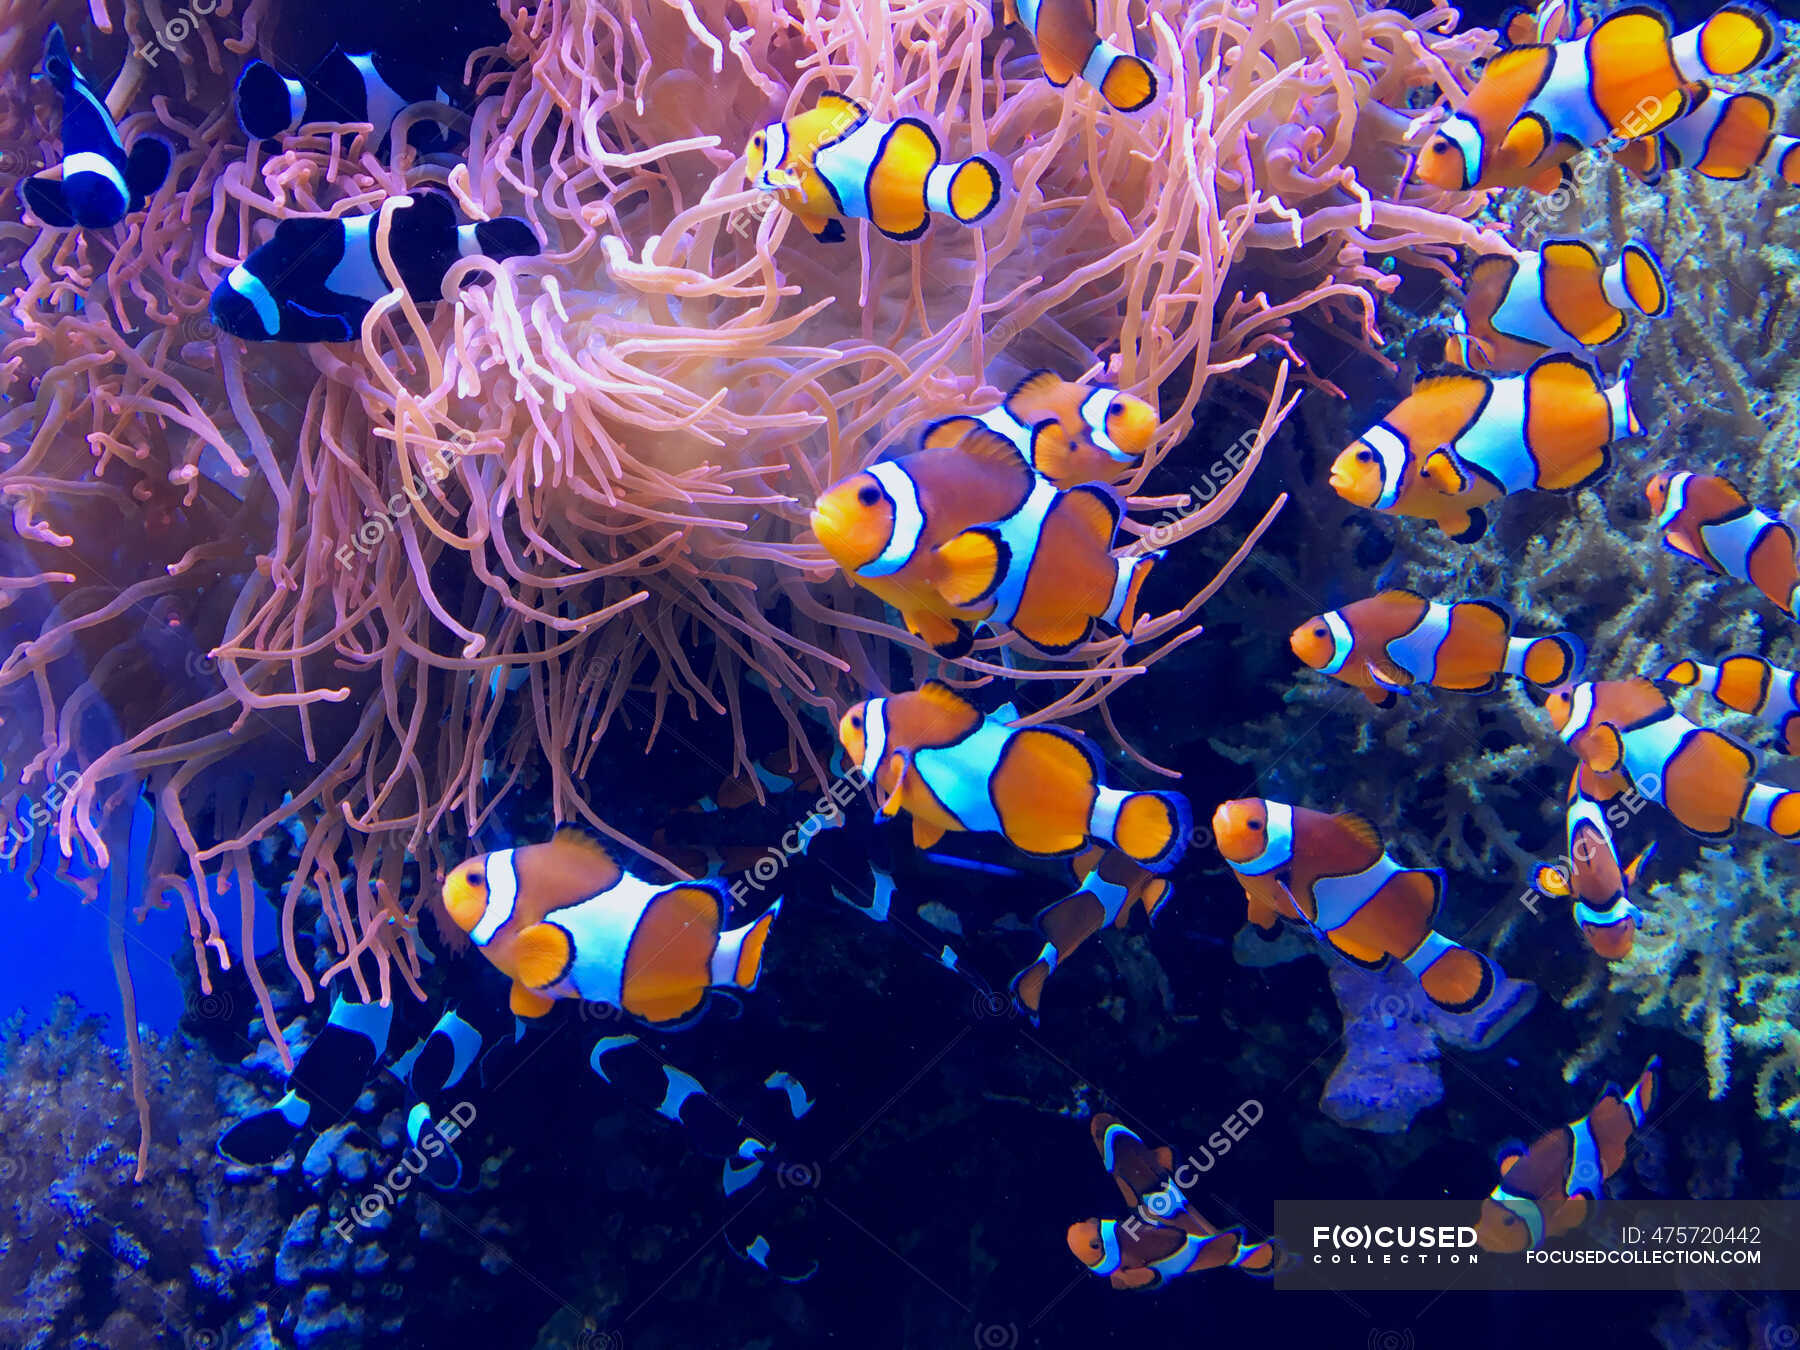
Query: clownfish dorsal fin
point(945, 699)
point(1509, 1153)
point(1571, 253)
point(988, 446)
point(947, 432)
point(542, 955)
point(845, 105)
point(579, 841)
point(1550, 879)
point(1360, 828)
point(1030, 392)
point(1492, 262)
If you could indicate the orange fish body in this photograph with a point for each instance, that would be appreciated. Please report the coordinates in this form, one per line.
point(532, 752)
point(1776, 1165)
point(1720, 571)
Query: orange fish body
point(1556, 299)
point(1591, 875)
point(1704, 778)
point(1537, 106)
point(1389, 642)
point(1726, 137)
point(1706, 519)
point(1461, 441)
point(1070, 45)
point(1070, 433)
point(1165, 1237)
point(933, 755)
point(1111, 887)
point(1555, 1186)
point(1748, 683)
point(562, 919)
point(1333, 874)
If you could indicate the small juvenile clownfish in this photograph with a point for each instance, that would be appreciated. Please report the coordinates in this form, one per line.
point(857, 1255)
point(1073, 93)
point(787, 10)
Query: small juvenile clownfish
point(957, 537)
point(1556, 299)
point(317, 277)
point(1748, 683)
point(1387, 643)
point(372, 87)
point(836, 160)
point(1536, 106)
point(1726, 136)
point(1332, 874)
point(1461, 440)
point(933, 755)
point(1592, 877)
point(1626, 732)
point(1555, 1186)
point(1069, 44)
point(1551, 21)
point(1111, 888)
point(1069, 433)
point(1705, 518)
point(1165, 1237)
point(100, 184)
point(564, 920)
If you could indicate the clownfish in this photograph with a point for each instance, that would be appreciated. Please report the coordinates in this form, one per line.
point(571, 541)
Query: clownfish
point(372, 87)
point(1069, 44)
point(957, 537)
point(1591, 875)
point(1748, 683)
point(1461, 440)
point(1332, 874)
point(836, 160)
point(1551, 21)
point(1387, 643)
point(932, 754)
point(1111, 888)
point(1726, 136)
point(1629, 734)
point(317, 277)
point(1165, 1237)
point(1555, 1186)
point(1069, 433)
point(1536, 106)
point(1557, 299)
point(1705, 518)
point(563, 920)
point(100, 184)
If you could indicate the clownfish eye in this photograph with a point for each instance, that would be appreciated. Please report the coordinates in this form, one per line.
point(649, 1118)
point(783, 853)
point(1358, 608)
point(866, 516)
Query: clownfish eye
point(476, 878)
point(1256, 824)
point(1319, 631)
point(1365, 456)
point(757, 141)
point(856, 721)
point(869, 496)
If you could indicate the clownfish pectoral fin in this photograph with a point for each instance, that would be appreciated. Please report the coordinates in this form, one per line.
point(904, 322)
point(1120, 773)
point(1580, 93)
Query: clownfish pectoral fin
point(1390, 678)
point(47, 199)
point(528, 1002)
point(974, 563)
point(1031, 398)
point(1636, 865)
point(925, 834)
point(543, 954)
point(1526, 140)
point(1553, 179)
point(1679, 546)
point(1550, 879)
point(891, 804)
point(1052, 453)
point(1606, 749)
point(147, 167)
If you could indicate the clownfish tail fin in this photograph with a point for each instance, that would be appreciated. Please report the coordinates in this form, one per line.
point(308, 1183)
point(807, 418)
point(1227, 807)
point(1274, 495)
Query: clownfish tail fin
point(1259, 1258)
point(1637, 282)
point(1547, 661)
point(737, 960)
point(1129, 83)
point(966, 189)
point(1776, 810)
point(1783, 156)
point(268, 103)
point(1134, 569)
point(1618, 399)
point(1150, 828)
point(1738, 38)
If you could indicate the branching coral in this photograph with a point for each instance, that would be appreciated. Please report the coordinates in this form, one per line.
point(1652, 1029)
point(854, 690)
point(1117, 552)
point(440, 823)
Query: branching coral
point(343, 638)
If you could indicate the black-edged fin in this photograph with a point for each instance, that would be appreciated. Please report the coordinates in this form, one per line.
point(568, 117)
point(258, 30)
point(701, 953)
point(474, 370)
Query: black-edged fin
point(147, 167)
point(46, 199)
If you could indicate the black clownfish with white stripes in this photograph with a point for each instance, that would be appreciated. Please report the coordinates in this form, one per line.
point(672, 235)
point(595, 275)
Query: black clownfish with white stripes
point(318, 277)
point(372, 87)
point(101, 183)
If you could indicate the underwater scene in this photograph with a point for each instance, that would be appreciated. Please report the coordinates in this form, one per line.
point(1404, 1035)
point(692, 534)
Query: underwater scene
point(899, 673)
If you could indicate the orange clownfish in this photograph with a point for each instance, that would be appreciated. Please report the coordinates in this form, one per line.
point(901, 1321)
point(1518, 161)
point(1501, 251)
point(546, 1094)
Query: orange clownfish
point(1332, 874)
point(1070, 433)
point(1557, 299)
point(1626, 731)
point(1165, 1237)
point(1536, 106)
point(564, 920)
point(1551, 21)
point(1726, 136)
point(1111, 888)
point(1387, 643)
point(1748, 683)
point(1069, 44)
point(1554, 1187)
point(836, 160)
point(1592, 876)
point(933, 755)
point(956, 537)
point(1460, 441)
point(1705, 518)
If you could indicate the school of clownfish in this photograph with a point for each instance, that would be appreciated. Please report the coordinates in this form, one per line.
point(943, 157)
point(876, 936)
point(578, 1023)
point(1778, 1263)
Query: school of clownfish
point(1006, 518)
